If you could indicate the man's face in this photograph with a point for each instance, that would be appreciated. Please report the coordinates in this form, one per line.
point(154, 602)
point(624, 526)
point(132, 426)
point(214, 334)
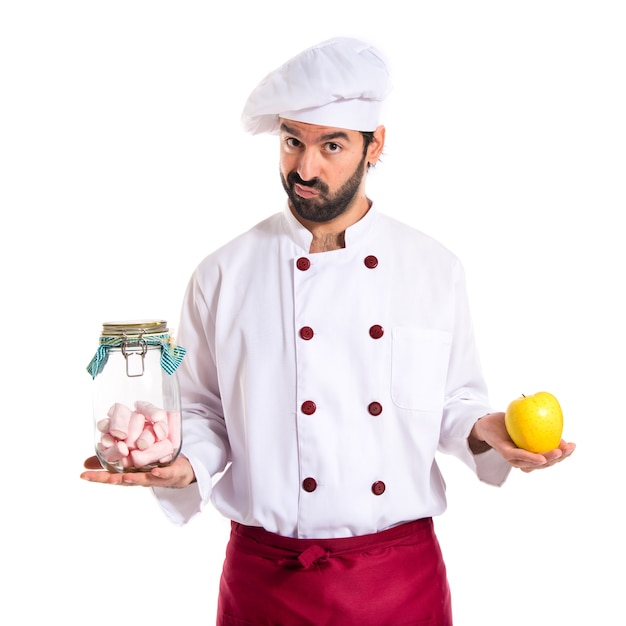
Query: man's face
point(322, 169)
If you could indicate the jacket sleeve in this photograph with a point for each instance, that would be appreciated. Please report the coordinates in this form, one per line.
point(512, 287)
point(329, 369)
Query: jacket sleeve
point(205, 440)
point(466, 397)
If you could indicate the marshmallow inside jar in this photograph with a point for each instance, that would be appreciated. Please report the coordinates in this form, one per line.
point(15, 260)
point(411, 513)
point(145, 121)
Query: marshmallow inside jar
point(136, 396)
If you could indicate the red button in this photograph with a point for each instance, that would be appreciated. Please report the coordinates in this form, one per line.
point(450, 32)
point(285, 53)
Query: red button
point(303, 263)
point(308, 407)
point(309, 484)
point(370, 261)
point(375, 408)
point(306, 332)
point(376, 331)
point(378, 488)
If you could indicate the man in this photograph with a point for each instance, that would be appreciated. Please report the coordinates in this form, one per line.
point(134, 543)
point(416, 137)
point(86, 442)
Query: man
point(330, 355)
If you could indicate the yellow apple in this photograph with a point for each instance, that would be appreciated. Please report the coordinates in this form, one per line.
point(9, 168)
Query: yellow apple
point(535, 423)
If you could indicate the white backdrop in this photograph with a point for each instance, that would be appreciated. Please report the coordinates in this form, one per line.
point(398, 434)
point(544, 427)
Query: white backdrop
point(122, 164)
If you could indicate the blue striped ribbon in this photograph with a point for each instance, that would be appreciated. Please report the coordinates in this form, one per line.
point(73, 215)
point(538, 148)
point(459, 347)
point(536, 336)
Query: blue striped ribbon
point(171, 356)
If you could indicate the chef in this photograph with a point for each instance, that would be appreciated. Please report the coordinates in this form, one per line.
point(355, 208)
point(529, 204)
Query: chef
point(330, 356)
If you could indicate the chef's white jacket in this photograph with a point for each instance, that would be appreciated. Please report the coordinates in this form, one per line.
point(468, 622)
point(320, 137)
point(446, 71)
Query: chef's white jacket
point(317, 388)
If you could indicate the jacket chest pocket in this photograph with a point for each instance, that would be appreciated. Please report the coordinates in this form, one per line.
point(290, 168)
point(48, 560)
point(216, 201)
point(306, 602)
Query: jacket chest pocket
point(419, 368)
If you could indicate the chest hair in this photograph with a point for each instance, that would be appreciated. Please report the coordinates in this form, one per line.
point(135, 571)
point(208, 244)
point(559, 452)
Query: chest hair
point(328, 242)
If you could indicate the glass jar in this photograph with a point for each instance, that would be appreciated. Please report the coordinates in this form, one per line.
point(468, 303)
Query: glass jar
point(136, 396)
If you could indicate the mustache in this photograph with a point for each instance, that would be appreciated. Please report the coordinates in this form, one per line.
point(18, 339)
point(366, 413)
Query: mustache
point(293, 178)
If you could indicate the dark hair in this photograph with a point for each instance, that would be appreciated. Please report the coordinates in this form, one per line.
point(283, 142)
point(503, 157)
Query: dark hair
point(368, 137)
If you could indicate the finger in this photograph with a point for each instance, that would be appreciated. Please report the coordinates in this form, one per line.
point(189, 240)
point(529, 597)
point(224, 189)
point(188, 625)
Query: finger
point(520, 457)
point(527, 461)
point(553, 456)
point(559, 454)
point(137, 479)
point(567, 447)
point(525, 466)
point(155, 478)
point(103, 477)
point(129, 479)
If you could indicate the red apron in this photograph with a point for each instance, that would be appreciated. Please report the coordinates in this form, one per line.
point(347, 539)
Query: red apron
point(396, 577)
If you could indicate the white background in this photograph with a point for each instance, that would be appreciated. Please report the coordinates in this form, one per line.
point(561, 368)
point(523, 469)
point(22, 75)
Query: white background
point(122, 164)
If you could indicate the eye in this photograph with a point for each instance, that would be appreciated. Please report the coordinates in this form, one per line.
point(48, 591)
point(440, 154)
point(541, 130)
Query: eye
point(292, 142)
point(333, 147)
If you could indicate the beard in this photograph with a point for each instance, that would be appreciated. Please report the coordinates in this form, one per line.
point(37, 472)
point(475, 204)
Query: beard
point(325, 206)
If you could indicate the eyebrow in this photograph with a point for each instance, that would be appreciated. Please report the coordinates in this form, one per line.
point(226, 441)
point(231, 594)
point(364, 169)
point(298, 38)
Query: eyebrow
point(338, 134)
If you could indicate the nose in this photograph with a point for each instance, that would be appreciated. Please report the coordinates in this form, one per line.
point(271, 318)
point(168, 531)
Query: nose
point(308, 165)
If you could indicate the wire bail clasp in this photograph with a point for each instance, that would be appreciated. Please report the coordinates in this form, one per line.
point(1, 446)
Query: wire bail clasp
point(134, 351)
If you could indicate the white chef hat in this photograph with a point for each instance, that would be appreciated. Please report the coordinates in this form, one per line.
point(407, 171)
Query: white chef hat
point(340, 82)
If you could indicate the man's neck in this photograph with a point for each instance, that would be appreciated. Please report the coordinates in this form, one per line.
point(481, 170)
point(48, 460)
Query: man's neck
point(331, 235)
point(326, 242)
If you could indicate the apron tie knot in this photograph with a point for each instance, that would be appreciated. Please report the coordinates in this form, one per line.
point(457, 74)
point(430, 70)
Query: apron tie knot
point(311, 555)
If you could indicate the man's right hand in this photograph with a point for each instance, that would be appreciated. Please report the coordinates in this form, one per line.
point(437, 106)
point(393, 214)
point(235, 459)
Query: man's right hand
point(176, 475)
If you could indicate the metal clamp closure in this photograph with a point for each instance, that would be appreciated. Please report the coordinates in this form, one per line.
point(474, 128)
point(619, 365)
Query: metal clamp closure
point(134, 351)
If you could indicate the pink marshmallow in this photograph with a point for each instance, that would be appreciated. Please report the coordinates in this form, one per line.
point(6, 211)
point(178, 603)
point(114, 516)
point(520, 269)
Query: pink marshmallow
point(159, 450)
point(126, 463)
point(103, 425)
point(107, 440)
point(152, 412)
point(160, 430)
point(173, 420)
point(115, 453)
point(136, 425)
point(119, 417)
point(146, 439)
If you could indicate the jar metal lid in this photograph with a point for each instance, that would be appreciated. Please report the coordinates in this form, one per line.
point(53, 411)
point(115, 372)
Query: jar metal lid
point(143, 333)
point(134, 328)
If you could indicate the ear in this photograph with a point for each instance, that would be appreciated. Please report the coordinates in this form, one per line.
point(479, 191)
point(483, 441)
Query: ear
point(375, 149)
